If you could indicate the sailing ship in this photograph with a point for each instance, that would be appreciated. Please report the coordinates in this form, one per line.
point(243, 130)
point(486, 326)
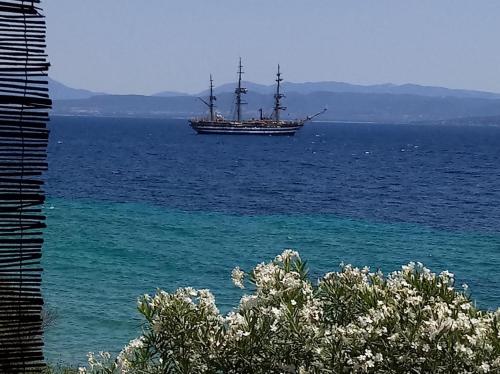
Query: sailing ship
point(215, 123)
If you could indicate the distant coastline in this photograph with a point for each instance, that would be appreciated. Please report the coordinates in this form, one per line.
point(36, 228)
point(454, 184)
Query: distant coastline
point(493, 121)
point(405, 104)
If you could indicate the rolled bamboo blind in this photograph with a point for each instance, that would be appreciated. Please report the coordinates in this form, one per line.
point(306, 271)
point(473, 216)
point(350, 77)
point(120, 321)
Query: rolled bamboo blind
point(24, 106)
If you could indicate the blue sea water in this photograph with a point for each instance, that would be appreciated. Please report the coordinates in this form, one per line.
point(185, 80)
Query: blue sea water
point(136, 204)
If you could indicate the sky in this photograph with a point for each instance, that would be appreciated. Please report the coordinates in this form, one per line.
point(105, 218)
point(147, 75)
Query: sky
point(147, 46)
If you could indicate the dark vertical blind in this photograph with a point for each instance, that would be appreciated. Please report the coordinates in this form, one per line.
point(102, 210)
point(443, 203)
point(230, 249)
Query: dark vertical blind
point(24, 105)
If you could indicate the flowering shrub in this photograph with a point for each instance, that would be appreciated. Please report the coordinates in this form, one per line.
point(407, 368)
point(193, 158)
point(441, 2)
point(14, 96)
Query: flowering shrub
point(351, 321)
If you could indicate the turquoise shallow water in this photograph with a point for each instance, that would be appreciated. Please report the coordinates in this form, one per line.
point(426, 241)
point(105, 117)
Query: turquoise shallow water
point(100, 256)
point(136, 204)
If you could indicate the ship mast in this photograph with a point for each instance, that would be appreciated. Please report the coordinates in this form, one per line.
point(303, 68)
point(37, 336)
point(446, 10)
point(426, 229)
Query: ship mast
point(212, 99)
point(239, 90)
point(278, 96)
point(211, 102)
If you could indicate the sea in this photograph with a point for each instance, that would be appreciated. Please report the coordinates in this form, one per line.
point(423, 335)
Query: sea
point(134, 205)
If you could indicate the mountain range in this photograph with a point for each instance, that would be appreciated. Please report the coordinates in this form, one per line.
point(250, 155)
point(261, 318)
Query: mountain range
point(59, 91)
point(341, 87)
point(346, 102)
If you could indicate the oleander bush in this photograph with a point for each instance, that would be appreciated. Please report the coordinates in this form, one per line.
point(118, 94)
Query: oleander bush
point(350, 321)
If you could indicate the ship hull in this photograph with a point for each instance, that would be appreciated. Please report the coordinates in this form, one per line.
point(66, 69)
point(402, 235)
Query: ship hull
point(239, 129)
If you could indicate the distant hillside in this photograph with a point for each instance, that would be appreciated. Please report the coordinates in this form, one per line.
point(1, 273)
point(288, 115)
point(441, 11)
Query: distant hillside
point(379, 107)
point(346, 102)
point(128, 105)
point(59, 91)
point(170, 94)
point(340, 87)
point(466, 121)
point(229, 88)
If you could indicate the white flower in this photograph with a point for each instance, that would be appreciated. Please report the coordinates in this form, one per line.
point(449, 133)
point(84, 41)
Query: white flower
point(394, 337)
point(287, 255)
point(207, 301)
point(237, 276)
point(465, 306)
point(123, 360)
point(136, 343)
point(276, 312)
point(484, 368)
point(248, 301)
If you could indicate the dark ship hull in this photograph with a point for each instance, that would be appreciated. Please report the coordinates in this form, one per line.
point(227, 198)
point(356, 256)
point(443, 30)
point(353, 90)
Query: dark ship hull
point(270, 128)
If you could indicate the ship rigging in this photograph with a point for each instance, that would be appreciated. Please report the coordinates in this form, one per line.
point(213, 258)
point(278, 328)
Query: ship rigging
point(274, 125)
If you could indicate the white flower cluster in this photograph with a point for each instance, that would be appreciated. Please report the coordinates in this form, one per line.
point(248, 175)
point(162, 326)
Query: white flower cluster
point(351, 321)
point(237, 276)
point(125, 360)
point(97, 363)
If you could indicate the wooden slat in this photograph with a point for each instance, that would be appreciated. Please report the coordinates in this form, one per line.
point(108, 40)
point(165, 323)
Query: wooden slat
point(24, 105)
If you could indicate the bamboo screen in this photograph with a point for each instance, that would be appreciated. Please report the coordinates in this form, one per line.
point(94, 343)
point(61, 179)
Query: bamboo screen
point(24, 105)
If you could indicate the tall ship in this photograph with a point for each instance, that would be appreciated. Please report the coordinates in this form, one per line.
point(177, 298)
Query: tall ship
point(215, 123)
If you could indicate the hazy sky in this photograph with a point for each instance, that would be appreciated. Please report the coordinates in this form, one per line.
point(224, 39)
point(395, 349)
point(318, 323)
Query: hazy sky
point(145, 46)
